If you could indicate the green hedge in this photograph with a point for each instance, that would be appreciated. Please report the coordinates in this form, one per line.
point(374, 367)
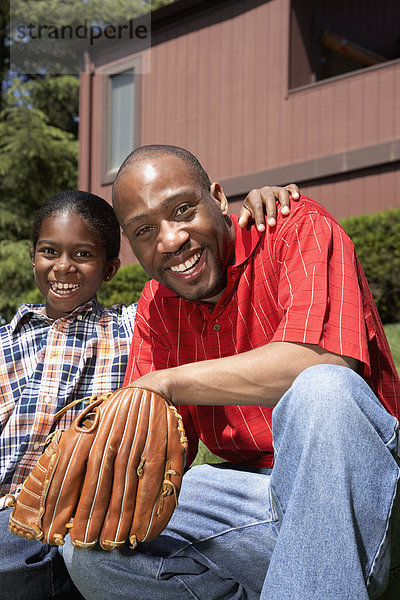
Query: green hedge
point(377, 241)
point(125, 288)
point(376, 238)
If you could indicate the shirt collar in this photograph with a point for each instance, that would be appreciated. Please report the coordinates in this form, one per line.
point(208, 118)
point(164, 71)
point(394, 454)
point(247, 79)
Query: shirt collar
point(246, 241)
point(29, 311)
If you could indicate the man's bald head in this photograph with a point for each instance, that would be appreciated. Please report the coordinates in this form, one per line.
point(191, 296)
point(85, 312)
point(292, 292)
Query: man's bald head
point(176, 221)
point(158, 150)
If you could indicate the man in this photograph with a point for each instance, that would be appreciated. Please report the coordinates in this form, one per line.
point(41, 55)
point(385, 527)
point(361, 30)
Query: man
point(252, 334)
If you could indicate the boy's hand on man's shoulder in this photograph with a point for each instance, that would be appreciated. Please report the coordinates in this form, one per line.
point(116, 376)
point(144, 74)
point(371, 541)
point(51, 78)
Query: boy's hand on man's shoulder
point(261, 203)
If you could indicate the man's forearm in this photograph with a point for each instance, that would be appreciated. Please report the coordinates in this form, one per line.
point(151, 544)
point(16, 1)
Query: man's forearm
point(257, 377)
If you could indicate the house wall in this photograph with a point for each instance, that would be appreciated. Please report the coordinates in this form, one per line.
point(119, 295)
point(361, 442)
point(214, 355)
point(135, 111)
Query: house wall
point(219, 86)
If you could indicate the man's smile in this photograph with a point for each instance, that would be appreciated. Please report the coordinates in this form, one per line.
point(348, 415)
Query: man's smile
point(188, 264)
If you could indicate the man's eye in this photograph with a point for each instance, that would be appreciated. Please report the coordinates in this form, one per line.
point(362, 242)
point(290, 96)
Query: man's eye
point(143, 231)
point(181, 210)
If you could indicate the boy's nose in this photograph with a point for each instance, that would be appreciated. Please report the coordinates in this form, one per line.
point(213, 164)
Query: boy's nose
point(64, 265)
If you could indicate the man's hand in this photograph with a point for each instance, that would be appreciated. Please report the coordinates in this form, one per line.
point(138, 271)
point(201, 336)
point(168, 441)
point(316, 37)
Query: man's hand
point(263, 201)
point(161, 382)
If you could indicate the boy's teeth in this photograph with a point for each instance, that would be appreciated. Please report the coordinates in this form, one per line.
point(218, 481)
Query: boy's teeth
point(186, 265)
point(60, 287)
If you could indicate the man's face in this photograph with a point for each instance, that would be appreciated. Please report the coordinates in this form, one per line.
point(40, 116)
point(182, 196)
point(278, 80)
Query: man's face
point(178, 231)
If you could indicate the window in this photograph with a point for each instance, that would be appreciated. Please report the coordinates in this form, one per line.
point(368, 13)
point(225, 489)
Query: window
point(333, 38)
point(121, 111)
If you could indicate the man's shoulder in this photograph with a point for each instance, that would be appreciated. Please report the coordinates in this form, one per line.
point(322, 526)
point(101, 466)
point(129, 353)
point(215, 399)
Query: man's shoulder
point(305, 214)
point(154, 297)
point(307, 206)
point(155, 290)
point(157, 306)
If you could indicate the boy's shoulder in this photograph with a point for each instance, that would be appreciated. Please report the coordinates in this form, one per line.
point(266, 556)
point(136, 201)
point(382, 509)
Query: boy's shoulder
point(117, 309)
point(122, 314)
point(24, 312)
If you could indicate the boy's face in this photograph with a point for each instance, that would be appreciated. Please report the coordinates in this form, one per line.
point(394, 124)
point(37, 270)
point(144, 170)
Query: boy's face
point(69, 263)
point(177, 230)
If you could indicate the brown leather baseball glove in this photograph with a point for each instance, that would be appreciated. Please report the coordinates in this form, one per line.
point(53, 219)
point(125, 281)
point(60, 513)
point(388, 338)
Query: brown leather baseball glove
point(114, 475)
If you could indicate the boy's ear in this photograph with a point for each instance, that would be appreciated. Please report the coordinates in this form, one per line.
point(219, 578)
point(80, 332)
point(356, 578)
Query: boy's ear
point(217, 192)
point(32, 256)
point(111, 269)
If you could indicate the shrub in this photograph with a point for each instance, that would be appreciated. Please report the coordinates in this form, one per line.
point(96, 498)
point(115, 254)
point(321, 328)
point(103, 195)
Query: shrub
point(125, 288)
point(377, 241)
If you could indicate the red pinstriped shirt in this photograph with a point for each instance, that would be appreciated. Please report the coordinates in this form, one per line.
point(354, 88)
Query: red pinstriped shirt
point(298, 282)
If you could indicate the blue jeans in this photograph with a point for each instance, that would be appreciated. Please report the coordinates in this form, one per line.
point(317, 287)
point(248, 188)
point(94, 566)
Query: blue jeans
point(31, 570)
point(316, 527)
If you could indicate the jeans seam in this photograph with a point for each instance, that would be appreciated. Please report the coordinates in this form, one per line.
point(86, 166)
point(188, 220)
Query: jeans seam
point(158, 576)
point(376, 556)
point(211, 537)
point(52, 579)
point(392, 438)
point(192, 594)
point(274, 513)
point(159, 570)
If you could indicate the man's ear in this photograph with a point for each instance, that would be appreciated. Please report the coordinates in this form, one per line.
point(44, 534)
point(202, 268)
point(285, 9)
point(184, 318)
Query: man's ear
point(218, 194)
point(111, 269)
point(32, 256)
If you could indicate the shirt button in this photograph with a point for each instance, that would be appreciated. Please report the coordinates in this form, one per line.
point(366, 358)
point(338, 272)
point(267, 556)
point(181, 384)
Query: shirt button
point(79, 317)
point(210, 309)
point(47, 399)
point(36, 446)
point(216, 326)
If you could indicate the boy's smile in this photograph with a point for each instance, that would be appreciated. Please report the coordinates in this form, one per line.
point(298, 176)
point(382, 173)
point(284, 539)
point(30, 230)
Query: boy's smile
point(69, 263)
point(63, 289)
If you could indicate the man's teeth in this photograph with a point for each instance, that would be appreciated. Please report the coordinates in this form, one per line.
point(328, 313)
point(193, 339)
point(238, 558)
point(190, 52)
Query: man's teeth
point(186, 265)
point(63, 288)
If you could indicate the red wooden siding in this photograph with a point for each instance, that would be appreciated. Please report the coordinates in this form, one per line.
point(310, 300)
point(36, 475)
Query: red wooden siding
point(219, 86)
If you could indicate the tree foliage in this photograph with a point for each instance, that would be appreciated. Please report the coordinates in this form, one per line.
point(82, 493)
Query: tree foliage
point(125, 288)
point(70, 11)
point(52, 35)
point(38, 157)
point(39, 146)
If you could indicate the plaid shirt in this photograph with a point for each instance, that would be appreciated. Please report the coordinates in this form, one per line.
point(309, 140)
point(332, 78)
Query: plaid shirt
point(44, 365)
point(298, 282)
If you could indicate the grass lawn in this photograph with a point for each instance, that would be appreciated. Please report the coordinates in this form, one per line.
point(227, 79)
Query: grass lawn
point(393, 335)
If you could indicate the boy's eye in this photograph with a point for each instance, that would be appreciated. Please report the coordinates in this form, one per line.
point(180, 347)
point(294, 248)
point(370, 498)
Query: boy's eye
point(83, 254)
point(47, 250)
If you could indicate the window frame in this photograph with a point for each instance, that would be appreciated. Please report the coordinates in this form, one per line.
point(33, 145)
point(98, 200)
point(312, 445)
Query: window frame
point(117, 68)
point(313, 52)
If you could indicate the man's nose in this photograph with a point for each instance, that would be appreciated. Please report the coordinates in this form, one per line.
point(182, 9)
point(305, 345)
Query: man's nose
point(171, 237)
